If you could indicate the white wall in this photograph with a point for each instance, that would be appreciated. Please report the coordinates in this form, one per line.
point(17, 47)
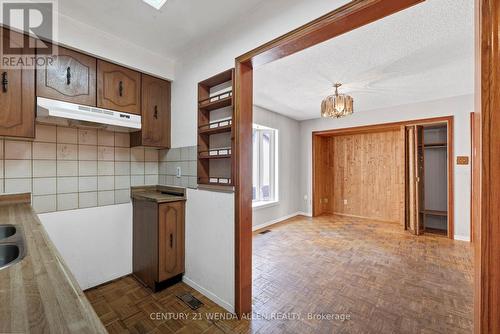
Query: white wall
point(288, 168)
point(460, 107)
point(210, 245)
point(95, 243)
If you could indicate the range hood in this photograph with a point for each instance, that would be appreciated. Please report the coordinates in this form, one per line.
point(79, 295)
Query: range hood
point(74, 115)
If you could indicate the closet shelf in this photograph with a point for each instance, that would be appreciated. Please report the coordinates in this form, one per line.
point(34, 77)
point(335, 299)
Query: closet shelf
point(216, 127)
point(220, 153)
point(436, 145)
point(434, 212)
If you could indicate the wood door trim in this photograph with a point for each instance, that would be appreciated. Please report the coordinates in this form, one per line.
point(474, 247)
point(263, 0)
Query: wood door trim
point(394, 126)
point(353, 15)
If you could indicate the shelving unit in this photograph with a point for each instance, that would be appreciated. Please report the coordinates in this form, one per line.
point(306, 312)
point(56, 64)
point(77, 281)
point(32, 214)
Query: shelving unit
point(215, 132)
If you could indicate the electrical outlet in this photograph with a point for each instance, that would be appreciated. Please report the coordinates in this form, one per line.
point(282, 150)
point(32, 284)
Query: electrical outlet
point(178, 171)
point(345, 202)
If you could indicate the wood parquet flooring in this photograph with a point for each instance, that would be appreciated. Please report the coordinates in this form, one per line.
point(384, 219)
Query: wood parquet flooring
point(384, 279)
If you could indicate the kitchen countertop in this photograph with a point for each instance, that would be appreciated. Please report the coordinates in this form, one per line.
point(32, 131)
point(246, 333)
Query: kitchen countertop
point(159, 194)
point(39, 293)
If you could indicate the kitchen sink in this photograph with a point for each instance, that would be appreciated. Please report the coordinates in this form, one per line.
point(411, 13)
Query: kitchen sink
point(7, 231)
point(8, 255)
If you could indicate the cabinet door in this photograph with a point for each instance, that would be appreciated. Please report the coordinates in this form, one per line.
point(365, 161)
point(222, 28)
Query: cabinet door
point(118, 88)
point(170, 240)
point(155, 114)
point(17, 96)
point(71, 78)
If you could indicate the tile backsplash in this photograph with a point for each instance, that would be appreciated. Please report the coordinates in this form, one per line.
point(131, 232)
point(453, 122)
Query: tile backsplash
point(184, 158)
point(68, 168)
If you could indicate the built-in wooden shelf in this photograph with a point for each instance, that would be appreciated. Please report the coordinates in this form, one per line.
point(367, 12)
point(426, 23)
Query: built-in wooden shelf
point(436, 145)
point(435, 213)
point(215, 100)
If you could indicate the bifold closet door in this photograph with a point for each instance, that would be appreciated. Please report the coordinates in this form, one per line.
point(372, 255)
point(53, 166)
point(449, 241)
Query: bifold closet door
point(414, 179)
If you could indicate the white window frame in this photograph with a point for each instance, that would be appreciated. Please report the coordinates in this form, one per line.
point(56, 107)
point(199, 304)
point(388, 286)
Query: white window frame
point(273, 173)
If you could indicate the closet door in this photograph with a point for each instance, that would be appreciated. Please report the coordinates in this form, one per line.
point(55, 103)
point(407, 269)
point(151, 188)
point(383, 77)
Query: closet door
point(414, 179)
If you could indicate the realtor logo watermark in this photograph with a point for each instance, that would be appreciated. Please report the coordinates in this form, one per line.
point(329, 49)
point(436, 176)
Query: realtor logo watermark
point(31, 23)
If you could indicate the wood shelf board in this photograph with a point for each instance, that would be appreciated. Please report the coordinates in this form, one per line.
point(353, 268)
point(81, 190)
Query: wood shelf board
point(216, 187)
point(208, 157)
point(218, 79)
point(219, 104)
point(212, 131)
point(435, 212)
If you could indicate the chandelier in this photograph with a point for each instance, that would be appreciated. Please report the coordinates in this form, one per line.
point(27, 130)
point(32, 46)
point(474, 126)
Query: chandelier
point(338, 105)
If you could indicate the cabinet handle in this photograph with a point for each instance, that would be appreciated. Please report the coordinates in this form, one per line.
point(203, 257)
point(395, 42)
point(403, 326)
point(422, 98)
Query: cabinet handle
point(5, 82)
point(155, 115)
point(120, 88)
point(171, 240)
point(68, 76)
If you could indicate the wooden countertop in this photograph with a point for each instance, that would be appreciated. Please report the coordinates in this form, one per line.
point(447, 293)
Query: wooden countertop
point(40, 294)
point(159, 194)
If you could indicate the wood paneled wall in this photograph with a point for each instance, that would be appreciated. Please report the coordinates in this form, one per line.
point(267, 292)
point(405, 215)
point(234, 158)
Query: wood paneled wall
point(361, 175)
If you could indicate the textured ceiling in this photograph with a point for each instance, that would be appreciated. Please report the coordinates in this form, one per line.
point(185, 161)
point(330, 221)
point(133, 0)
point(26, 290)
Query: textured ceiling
point(423, 53)
point(166, 31)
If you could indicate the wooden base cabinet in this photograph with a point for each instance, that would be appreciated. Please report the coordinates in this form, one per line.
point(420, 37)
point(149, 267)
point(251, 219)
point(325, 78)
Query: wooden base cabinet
point(158, 241)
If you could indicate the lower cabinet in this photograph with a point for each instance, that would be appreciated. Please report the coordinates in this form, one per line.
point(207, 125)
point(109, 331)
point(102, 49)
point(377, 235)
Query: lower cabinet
point(158, 241)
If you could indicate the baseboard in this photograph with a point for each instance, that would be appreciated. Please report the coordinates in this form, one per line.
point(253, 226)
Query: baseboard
point(461, 238)
point(276, 221)
point(302, 213)
point(212, 296)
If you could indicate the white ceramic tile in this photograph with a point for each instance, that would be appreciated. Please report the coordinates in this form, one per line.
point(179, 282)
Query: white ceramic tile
point(42, 204)
point(105, 183)
point(106, 197)
point(162, 179)
point(87, 152)
point(137, 168)
point(66, 185)
point(87, 137)
point(122, 182)
point(137, 154)
point(45, 133)
point(122, 168)
point(193, 182)
point(67, 152)
point(106, 153)
point(151, 155)
point(87, 168)
point(44, 186)
point(122, 154)
point(16, 186)
point(122, 139)
point(44, 168)
point(185, 153)
point(16, 149)
point(151, 168)
point(106, 168)
point(151, 180)
point(67, 201)
point(67, 135)
point(1, 186)
point(44, 151)
point(184, 181)
point(2, 172)
point(87, 200)
point(174, 154)
point(87, 183)
point(137, 180)
point(172, 168)
point(17, 168)
point(105, 138)
point(163, 167)
point(193, 168)
point(122, 196)
point(67, 168)
point(170, 179)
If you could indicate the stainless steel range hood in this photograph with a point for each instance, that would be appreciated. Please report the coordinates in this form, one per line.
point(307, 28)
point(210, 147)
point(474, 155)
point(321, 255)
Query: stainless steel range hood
point(73, 115)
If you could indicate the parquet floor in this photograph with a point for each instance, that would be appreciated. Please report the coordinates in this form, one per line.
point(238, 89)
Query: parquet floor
point(358, 276)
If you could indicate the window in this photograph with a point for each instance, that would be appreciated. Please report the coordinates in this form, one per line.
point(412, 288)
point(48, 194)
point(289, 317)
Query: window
point(155, 3)
point(265, 165)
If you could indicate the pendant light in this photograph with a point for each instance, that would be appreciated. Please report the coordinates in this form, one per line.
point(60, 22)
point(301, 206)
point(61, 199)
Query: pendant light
point(337, 105)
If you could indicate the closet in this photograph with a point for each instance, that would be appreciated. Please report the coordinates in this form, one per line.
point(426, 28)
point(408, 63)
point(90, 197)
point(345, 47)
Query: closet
point(427, 179)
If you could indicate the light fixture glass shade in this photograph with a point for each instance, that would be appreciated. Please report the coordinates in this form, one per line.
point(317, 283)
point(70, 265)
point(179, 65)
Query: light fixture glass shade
point(337, 105)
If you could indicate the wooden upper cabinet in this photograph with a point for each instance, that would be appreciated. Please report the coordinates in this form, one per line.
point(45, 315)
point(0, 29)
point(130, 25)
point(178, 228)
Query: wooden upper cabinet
point(70, 78)
point(118, 88)
point(155, 114)
point(170, 240)
point(17, 96)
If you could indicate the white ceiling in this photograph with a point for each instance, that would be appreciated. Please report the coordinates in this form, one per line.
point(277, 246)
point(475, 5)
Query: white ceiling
point(166, 31)
point(423, 53)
